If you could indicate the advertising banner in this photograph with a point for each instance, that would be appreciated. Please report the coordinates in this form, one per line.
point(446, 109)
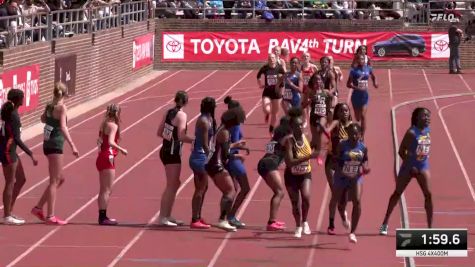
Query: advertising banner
point(25, 78)
point(255, 46)
point(143, 51)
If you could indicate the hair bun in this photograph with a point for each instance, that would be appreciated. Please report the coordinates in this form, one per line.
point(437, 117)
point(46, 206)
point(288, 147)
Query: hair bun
point(228, 99)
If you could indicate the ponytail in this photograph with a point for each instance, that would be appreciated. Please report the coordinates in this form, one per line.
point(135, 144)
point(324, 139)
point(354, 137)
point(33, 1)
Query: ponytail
point(59, 92)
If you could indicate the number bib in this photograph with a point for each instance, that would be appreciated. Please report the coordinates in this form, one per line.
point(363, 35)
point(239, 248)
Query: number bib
point(167, 133)
point(270, 147)
point(363, 84)
point(271, 80)
point(47, 132)
point(351, 168)
point(423, 147)
point(302, 168)
point(288, 94)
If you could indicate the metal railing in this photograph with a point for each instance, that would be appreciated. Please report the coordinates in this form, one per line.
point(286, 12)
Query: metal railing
point(20, 30)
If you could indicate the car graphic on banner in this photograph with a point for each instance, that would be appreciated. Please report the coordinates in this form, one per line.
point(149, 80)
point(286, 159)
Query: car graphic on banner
point(401, 44)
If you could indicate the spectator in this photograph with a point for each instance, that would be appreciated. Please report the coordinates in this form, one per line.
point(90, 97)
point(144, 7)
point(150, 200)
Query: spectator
point(317, 8)
point(228, 5)
point(242, 5)
point(387, 10)
point(455, 37)
point(274, 6)
point(32, 18)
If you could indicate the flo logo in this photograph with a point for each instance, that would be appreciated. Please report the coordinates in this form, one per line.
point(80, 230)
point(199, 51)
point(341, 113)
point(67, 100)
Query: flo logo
point(440, 46)
point(173, 46)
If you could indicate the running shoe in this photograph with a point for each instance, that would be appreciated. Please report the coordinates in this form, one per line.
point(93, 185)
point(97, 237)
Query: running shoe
point(331, 231)
point(55, 221)
point(38, 213)
point(275, 227)
point(306, 228)
point(280, 223)
point(175, 221)
point(10, 220)
point(108, 221)
point(166, 222)
point(352, 238)
point(235, 222)
point(224, 224)
point(199, 225)
point(383, 230)
point(298, 232)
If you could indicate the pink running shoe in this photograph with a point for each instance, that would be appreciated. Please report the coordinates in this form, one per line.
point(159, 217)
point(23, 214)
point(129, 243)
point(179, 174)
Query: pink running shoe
point(55, 221)
point(331, 231)
point(200, 225)
point(275, 227)
point(38, 213)
point(280, 223)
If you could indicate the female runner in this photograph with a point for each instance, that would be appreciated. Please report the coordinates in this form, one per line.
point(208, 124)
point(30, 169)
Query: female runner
point(298, 175)
point(414, 151)
point(307, 69)
point(10, 138)
point(202, 149)
point(55, 131)
point(173, 131)
point(358, 81)
point(267, 167)
point(215, 166)
point(352, 158)
point(272, 95)
point(293, 86)
point(338, 130)
point(109, 136)
point(319, 100)
point(236, 168)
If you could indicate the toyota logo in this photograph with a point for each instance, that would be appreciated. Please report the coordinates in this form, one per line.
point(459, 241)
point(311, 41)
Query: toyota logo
point(173, 46)
point(441, 45)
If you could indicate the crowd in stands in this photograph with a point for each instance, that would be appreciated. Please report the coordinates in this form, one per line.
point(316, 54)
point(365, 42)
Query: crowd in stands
point(410, 10)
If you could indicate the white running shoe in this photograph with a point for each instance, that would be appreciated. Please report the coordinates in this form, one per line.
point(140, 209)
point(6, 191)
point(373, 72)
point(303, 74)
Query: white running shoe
point(383, 230)
point(352, 238)
point(175, 221)
point(306, 228)
point(10, 220)
point(298, 232)
point(224, 224)
point(166, 222)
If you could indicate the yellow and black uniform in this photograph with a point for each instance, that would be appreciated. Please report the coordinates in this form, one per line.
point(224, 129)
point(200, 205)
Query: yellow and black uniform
point(10, 138)
point(53, 138)
point(338, 134)
point(295, 175)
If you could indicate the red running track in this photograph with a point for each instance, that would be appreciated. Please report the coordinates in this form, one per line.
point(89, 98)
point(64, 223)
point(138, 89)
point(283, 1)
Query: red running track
point(136, 198)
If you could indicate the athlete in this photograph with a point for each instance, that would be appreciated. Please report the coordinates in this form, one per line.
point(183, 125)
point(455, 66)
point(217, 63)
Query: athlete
point(338, 78)
point(358, 81)
point(338, 130)
point(319, 100)
point(361, 51)
point(109, 136)
point(293, 86)
point(172, 129)
point(307, 70)
point(272, 94)
point(281, 55)
point(220, 157)
point(298, 175)
point(10, 138)
point(267, 167)
point(352, 164)
point(55, 131)
point(236, 169)
point(414, 152)
point(202, 149)
point(329, 79)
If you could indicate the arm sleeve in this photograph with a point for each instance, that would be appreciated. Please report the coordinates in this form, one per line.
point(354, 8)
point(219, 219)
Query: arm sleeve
point(16, 133)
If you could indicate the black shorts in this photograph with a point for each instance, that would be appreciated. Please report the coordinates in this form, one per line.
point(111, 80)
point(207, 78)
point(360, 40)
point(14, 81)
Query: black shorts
point(272, 93)
point(49, 150)
point(295, 181)
point(266, 165)
point(8, 158)
point(315, 120)
point(214, 169)
point(167, 158)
